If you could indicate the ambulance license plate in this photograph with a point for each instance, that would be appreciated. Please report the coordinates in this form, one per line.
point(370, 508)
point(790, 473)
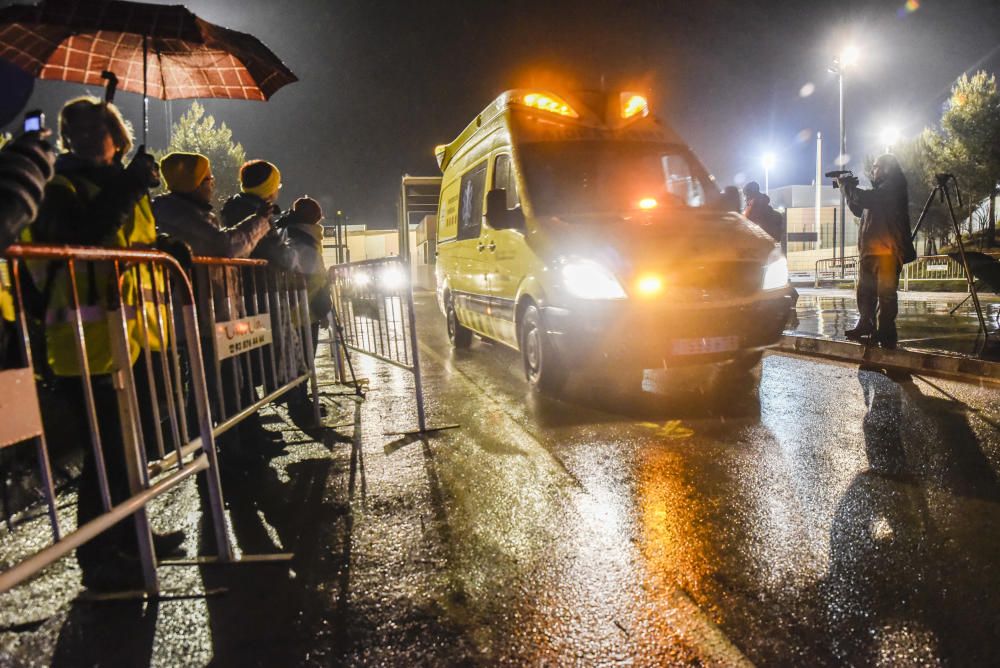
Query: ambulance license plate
point(711, 344)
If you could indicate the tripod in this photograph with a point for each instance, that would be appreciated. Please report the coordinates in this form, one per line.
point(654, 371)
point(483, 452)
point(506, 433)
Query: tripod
point(944, 195)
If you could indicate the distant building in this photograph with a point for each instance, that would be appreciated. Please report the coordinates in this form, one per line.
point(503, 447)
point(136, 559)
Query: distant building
point(798, 203)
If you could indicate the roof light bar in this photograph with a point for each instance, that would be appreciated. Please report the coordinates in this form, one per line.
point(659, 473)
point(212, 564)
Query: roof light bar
point(548, 102)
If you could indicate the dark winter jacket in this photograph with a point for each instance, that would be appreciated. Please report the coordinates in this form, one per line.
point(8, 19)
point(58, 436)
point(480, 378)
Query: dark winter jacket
point(885, 218)
point(26, 165)
point(306, 243)
point(759, 212)
point(195, 223)
point(273, 247)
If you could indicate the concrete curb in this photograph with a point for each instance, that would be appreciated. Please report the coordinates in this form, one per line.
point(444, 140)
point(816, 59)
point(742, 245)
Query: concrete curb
point(915, 361)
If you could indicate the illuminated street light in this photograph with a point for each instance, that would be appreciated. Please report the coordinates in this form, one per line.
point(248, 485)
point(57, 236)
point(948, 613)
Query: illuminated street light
point(890, 137)
point(768, 161)
point(847, 58)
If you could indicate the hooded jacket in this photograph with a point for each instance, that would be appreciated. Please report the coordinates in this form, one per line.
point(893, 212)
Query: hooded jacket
point(885, 218)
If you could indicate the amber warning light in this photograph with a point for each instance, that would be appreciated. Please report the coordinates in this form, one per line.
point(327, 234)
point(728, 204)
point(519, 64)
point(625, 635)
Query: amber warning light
point(634, 105)
point(549, 103)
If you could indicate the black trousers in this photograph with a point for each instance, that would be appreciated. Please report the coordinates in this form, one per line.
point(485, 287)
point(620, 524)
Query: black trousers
point(878, 281)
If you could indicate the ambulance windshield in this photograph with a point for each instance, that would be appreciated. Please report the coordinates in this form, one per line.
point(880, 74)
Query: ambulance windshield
point(599, 177)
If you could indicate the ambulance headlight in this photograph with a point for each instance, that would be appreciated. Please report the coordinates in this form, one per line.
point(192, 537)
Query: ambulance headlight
point(587, 279)
point(775, 272)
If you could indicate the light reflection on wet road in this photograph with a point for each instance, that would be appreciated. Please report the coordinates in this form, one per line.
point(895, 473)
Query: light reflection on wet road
point(833, 516)
point(817, 520)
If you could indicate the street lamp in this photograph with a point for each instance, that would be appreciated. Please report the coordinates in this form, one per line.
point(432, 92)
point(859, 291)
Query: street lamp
point(890, 136)
point(768, 161)
point(847, 58)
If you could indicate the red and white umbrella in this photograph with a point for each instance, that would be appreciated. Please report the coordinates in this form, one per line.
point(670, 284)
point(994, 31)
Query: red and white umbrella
point(162, 51)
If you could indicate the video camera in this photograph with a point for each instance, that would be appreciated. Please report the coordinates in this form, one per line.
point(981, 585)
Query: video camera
point(842, 176)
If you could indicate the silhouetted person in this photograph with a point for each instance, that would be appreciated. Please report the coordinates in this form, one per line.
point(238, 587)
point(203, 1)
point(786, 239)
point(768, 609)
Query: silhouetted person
point(884, 246)
point(759, 211)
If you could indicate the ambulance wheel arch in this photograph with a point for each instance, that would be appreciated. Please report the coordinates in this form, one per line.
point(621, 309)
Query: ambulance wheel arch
point(529, 293)
point(542, 367)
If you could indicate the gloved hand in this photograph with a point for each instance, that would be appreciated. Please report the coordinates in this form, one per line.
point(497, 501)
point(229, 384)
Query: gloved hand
point(176, 248)
point(268, 210)
point(143, 169)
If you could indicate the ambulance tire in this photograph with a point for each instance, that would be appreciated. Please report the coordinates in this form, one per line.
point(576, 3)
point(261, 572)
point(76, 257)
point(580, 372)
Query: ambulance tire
point(542, 366)
point(459, 335)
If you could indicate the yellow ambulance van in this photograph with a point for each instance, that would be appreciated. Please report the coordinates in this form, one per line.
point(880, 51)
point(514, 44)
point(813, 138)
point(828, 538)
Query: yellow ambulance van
point(582, 231)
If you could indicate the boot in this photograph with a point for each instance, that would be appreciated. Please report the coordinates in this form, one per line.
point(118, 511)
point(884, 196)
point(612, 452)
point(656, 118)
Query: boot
point(858, 333)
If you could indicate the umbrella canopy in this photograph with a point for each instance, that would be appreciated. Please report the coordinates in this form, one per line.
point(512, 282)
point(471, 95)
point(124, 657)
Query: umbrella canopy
point(163, 51)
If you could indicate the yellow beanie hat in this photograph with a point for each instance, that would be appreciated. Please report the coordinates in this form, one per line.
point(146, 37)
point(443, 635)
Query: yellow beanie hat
point(260, 177)
point(184, 172)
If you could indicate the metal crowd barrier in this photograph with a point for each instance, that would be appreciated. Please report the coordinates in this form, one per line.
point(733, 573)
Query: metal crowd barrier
point(925, 268)
point(933, 268)
point(836, 269)
point(127, 304)
point(258, 334)
point(373, 302)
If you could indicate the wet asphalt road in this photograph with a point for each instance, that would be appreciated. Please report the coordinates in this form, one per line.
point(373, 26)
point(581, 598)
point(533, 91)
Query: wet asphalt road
point(833, 516)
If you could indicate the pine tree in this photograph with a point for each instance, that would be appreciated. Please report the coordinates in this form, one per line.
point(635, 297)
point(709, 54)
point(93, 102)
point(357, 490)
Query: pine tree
point(968, 144)
point(196, 132)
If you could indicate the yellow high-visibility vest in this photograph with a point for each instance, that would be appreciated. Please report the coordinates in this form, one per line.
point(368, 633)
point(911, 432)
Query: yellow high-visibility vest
point(95, 286)
point(6, 293)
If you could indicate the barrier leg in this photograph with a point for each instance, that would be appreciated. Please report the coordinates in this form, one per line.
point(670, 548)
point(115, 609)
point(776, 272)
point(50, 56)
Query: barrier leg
point(135, 463)
point(200, 392)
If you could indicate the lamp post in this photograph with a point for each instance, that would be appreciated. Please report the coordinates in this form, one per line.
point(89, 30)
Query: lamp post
point(847, 58)
point(768, 162)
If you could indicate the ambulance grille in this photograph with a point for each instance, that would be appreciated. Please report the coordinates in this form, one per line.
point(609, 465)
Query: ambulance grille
point(721, 279)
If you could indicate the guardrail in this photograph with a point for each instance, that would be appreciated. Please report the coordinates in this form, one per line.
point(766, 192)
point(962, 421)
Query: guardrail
point(373, 303)
point(114, 356)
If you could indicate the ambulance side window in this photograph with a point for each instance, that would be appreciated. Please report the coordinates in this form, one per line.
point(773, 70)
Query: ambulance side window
point(503, 177)
point(470, 202)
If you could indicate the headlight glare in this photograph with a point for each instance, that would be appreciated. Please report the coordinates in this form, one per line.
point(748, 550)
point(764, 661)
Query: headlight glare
point(775, 272)
point(587, 279)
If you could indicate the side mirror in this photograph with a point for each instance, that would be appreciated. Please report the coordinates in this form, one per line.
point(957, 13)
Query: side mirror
point(498, 215)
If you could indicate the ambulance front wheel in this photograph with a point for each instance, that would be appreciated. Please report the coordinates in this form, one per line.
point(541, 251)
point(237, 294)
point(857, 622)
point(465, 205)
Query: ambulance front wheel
point(459, 335)
point(542, 366)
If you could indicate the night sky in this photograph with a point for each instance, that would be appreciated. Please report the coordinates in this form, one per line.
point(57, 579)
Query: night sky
point(381, 83)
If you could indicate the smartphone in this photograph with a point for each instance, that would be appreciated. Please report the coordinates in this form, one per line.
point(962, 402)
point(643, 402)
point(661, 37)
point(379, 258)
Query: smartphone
point(34, 121)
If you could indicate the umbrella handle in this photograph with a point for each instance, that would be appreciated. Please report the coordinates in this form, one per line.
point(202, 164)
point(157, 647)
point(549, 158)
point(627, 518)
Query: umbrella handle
point(112, 86)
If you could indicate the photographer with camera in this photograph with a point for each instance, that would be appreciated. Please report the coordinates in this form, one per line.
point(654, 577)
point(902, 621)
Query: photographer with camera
point(884, 246)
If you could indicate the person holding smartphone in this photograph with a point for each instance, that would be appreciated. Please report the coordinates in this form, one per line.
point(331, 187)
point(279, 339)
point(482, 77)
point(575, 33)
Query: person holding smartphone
point(26, 165)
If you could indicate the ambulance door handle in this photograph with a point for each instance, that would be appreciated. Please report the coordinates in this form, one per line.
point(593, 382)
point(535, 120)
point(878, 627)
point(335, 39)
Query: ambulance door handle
point(491, 246)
